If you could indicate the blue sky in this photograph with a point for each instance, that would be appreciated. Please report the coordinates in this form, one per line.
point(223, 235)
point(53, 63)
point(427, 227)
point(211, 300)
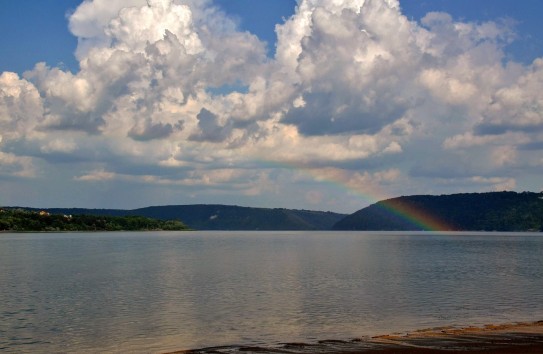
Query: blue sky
point(175, 104)
point(37, 30)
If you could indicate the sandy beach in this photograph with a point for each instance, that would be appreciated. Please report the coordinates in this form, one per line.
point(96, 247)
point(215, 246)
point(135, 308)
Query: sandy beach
point(525, 337)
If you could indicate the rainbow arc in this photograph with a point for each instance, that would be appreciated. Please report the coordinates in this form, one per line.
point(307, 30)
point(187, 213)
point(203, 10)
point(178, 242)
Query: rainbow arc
point(419, 217)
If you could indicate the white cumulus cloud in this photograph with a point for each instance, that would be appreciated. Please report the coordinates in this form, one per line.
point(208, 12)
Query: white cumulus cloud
point(172, 93)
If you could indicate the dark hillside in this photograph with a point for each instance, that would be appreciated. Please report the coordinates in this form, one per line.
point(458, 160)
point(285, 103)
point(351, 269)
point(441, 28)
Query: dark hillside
point(495, 211)
point(223, 217)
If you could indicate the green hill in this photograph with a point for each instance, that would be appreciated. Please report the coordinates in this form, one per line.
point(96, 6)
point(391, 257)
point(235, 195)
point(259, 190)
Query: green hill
point(223, 217)
point(495, 211)
point(16, 219)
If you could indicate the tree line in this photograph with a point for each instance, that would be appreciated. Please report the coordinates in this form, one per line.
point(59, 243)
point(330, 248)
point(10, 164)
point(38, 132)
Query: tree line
point(21, 220)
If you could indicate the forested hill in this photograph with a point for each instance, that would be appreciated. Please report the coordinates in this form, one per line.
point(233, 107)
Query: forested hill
point(495, 211)
point(21, 220)
point(224, 217)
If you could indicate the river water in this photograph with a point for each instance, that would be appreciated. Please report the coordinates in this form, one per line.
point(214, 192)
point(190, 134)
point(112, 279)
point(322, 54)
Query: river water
point(163, 291)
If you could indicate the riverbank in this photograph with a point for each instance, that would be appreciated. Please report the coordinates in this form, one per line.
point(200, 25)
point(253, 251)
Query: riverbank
point(526, 338)
point(22, 220)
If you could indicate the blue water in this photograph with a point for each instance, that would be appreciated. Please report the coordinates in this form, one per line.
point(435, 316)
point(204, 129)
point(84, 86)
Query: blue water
point(154, 292)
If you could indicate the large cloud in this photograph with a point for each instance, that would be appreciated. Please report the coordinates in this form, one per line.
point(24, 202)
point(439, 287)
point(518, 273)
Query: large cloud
point(354, 65)
point(516, 107)
point(171, 93)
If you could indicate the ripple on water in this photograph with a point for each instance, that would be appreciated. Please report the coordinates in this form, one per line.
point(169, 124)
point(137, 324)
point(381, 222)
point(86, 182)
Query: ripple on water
point(157, 291)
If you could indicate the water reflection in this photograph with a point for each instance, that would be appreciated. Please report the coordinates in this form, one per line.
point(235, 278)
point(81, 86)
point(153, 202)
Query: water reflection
point(166, 291)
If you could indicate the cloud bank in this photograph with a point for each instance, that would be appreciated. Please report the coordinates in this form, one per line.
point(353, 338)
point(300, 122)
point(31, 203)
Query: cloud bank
point(173, 100)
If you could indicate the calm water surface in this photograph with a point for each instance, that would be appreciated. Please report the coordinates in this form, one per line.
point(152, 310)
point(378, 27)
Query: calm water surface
point(154, 292)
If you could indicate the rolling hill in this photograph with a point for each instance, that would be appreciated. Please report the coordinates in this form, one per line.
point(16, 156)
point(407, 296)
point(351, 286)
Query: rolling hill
point(223, 217)
point(494, 211)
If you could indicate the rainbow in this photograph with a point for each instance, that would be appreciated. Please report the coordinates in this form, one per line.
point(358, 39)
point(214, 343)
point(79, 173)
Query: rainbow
point(415, 215)
point(418, 217)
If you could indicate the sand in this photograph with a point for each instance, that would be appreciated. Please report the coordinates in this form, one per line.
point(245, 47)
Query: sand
point(525, 338)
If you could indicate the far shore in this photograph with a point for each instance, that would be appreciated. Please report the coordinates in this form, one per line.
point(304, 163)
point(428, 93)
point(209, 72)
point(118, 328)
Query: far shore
point(86, 231)
point(514, 338)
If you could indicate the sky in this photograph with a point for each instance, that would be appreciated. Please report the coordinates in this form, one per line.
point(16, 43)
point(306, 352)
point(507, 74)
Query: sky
point(308, 104)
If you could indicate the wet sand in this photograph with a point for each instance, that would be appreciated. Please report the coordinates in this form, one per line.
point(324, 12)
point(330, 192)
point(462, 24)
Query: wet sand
point(525, 338)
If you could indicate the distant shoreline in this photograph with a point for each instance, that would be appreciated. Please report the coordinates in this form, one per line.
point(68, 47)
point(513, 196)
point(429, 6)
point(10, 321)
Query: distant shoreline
point(22, 220)
point(87, 231)
point(491, 211)
point(520, 337)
